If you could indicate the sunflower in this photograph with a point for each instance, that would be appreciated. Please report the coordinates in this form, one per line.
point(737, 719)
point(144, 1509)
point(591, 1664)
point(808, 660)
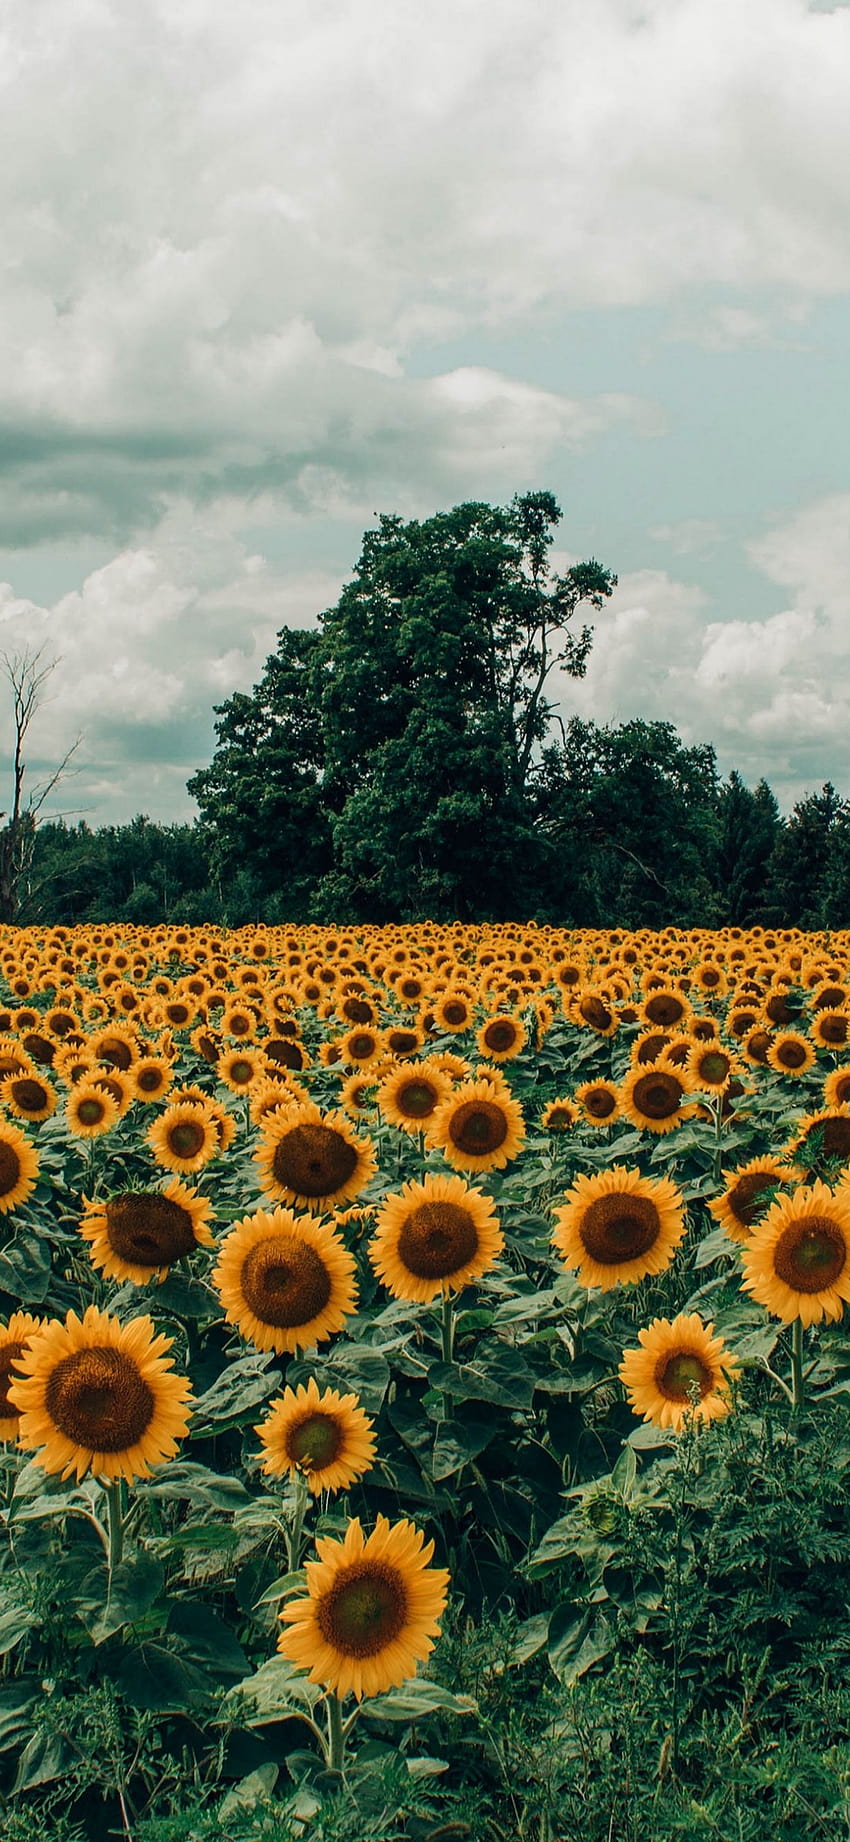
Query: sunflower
point(313, 1159)
point(271, 1091)
point(747, 1195)
point(711, 1067)
point(325, 1438)
point(363, 1044)
point(28, 1096)
point(184, 1138)
point(651, 1098)
point(409, 1096)
point(559, 1116)
point(119, 1048)
point(591, 1009)
point(599, 1102)
point(240, 1068)
point(796, 1261)
point(666, 1008)
point(152, 1076)
point(479, 1127)
point(614, 1228)
point(675, 1361)
point(18, 1167)
point(14, 1338)
point(358, 1094)
point(501, 1037)
point(434, 1237)
point(402, 1039)
point(791, 1053)
point(831, 1029)
point(836, 1087)
point(98, 1396)
point(90, 1110)
point(372, 1609)
point(285, 1281)
point(138, 1234)
point(453, 1011)
point(821, 1138)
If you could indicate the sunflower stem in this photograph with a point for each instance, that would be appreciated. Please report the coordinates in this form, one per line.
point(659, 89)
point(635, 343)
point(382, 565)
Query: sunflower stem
point(717, 1109)
point(295, 1532)
point(115, 1525)
point(336, 1733)
point(447, 1327)
point(798, 1386)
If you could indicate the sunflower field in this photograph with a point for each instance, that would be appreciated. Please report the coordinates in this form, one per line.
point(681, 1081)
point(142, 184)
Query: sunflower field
point(424, 1384)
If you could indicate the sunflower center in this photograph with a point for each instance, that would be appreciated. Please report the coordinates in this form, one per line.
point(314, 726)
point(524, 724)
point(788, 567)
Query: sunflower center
point(558, 1118)
point(30, 1096)
point(600, 1102)
point(657, 1095)
point(285, 1054)
point(500, 1035)
point(677, 1375)
point(362, 1044)
point(285, 1282)
point(714, 1067)
point(147, 1228)
point(186, 1138)
point(90, 1111)
point(8, 1355)
point(791, 1054)
point(595, 1013)
point(478, 1127)
point(618, 1228)
point(365, 1609)
point(98, 1399)
point(455, 1012)
point(314, 1442)
point(402, 1042)
point(313, 1160)
point(150, 1080)
point(417, 1099)
point(242, 1072)
point(664, 1009)
point(358, 1010)
point(810, 1255)
point(833, 1028)
point(10, 1168)
point(437, 1239)
point(836, 1138)
point(744, 1198)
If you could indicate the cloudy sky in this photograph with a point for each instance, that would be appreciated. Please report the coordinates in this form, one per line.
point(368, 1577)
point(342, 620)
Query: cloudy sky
point(267, 271)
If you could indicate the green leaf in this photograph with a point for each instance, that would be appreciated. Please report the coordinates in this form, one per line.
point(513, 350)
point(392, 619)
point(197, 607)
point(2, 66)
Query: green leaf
point(624, 1474)
point(25, 1270)
point(16, 1700)
point(575, 1644)
point(105, 1606)
point(15, 1622)
point(256, 1788)
point(240, 1388)
point(195, 1484)
point(45, 1757)
point(458, 1441)
point(531, 1637)
point(416, 1698)
point(499, 1374)
point(277, 1689)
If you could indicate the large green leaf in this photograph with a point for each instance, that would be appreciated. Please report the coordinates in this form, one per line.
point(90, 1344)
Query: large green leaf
point(577, 1642)
point(196, 1484)
point(499, 1374)
point(275, 1691)
point(459, 1440)
point(25, 1267)
point(416, 1698)
point(239, 1389)
point(105, 1605)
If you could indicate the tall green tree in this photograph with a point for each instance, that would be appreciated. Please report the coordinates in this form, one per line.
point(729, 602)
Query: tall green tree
point(393, 753)
point(798, 874)
point(749, 828)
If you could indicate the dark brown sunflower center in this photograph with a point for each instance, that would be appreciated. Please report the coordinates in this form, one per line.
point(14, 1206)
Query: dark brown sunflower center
point(651, 1047)
point(758, 1044)
point(779, 1010)
point(558, 1119)
point(362, 1045)
point(595, 1013)
point(600, 1102)
point(365, 1609)
point(713, 1067)
point(455, 1011)
point(150, 1080)
point(148, 1229)
point(676, 1376)
point(90, 1111)
point(500, 1035)
point(417, 1099)
point(810, 1255)
point(186, 1138)
point(10, 1168)
point(657, 1095)
point(437, 1239)
point(791, 1054)
point(30, 1096)
point(747, 1198)
point(478, 1127)
point(836, 1138)
point(615, 1228)
point(285, 1054)
point(9, 1354)
point(314, 1160)
point(842, 1090)
point(833, 1027)
point(664, 1009)
point(314, 1442)
point(242, 1071)
point(402, 1042)
point(99, 1400)
point(118, 1053)
point(358, 1010)
point(285, 1282)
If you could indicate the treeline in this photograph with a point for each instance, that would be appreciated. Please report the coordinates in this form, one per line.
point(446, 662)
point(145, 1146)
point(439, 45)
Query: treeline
point(407, 758)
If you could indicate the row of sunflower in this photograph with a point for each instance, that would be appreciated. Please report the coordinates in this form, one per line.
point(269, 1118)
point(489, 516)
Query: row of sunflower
point(437, 1199)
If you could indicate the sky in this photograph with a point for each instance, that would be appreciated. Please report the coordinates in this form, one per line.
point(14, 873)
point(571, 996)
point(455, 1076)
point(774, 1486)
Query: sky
point(268, 272)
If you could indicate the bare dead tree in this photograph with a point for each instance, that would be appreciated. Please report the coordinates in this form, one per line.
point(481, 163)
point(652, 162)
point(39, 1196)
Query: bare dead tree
point(26, 675)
